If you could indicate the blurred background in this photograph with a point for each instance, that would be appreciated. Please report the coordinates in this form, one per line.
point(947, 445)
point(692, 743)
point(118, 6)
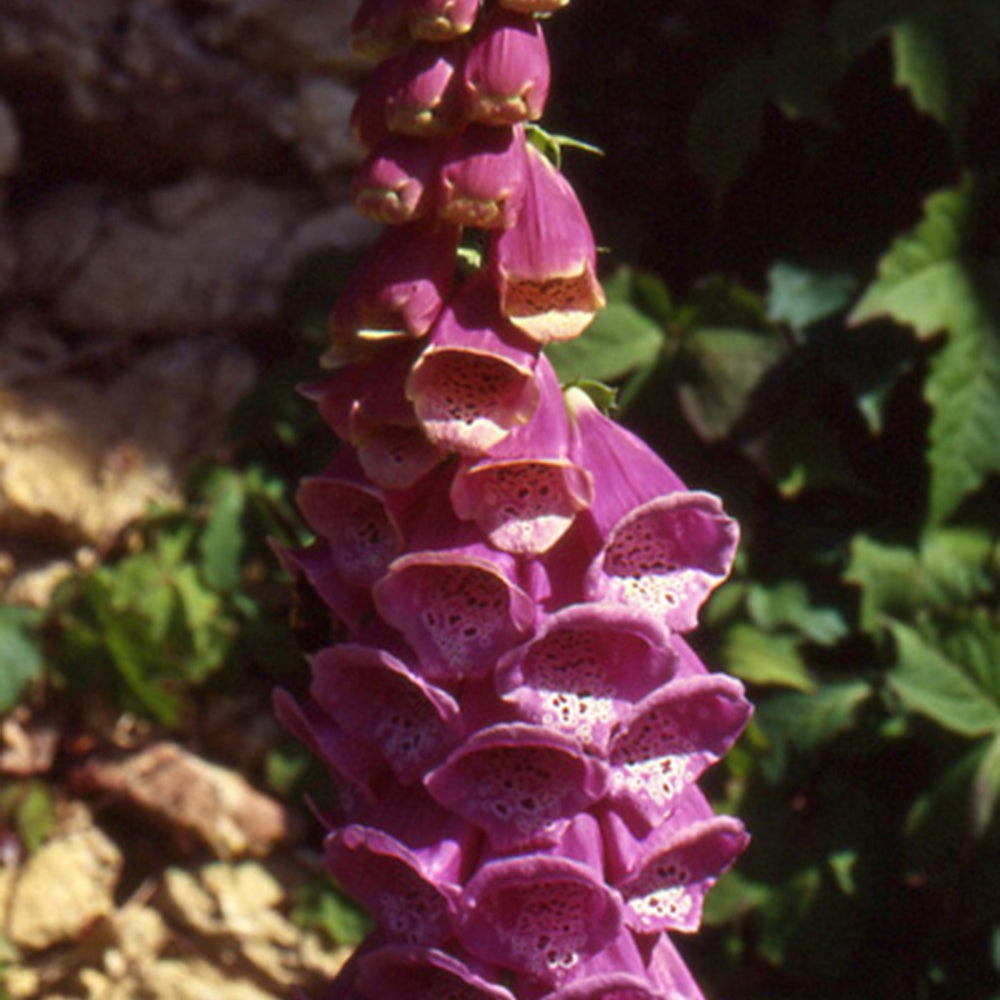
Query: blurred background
point(798, 205)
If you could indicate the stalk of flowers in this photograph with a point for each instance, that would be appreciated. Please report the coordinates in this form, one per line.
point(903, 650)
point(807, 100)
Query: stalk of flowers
point(513, 721)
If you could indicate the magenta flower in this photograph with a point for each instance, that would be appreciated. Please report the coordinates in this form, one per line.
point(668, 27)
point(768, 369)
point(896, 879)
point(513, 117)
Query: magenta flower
point(482, 177)
point(545, 267)
point(525, 492)
point(393, 185)
point(397, 291)
point(506, 74)
point(441, 20)
point(514, 723)
point(474, 382)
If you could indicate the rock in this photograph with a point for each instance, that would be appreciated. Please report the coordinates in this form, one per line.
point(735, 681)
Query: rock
point(62, 889)
point(192, 798)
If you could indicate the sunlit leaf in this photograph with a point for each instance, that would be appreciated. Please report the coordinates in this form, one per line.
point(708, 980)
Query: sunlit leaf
point(932, 281)
point(20, 653)
point(787, 604)
point(800, 297)
point(933, 684)
point(765, 658)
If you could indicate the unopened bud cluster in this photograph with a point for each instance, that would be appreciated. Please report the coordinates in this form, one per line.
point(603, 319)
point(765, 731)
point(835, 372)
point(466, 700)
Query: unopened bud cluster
point(513, 720)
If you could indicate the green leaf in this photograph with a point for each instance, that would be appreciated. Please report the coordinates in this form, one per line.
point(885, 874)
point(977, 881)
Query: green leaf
point(800, 297)
point(726, 365)
point(944, 53)
point(320, 905)
point(621, 339)
point(20, 653)
point(221, 543)
point(787, 604)
point(806, 721)
point(933, 684)
point(929, 281)
point(765, 658)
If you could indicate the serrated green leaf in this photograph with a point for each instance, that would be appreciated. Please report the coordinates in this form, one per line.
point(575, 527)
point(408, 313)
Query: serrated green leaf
point(619, 341)
point(806, 721)
point(765, 658)
point(787, 604)
point(800, 297)
point(933, 684)
point(944, 54)
point(887, 578)
point(20, 653)
point(930, 282)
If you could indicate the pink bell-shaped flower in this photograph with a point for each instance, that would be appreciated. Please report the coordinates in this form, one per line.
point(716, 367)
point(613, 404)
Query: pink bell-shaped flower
point(474, 382)
point(423, 92)
point(379, 28)
point(397, 290)
point(545, 266)
point(441, 20)
point(538, 914)
point(506, 75)
point(520, 783)
point(524, 493)
point(374, 696)
point(584, 669)
point(481, 180)
point(668, 740)
point(394, 183)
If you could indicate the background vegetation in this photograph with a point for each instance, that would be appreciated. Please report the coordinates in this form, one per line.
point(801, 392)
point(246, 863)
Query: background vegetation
point(801, 201)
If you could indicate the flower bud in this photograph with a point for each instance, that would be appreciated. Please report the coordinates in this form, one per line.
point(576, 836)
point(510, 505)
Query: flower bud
point(423, 99)
point(393, 185)
point(441, 20)
point(378, 29)
point(482, 177)
point(507, 72)
point(545, 266)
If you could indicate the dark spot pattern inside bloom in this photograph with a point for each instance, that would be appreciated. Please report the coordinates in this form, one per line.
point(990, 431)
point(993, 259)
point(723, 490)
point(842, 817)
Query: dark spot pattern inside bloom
point(414, 912)
point(468, 400)
point(652, 758)
point(464, 611)
point(522, 786)
point(408, 731)
point(362, 540)
point(568, 668)
point(554, 308)
point(526, 507)
point(660, 897)
point(395, 456)
point(549, 933)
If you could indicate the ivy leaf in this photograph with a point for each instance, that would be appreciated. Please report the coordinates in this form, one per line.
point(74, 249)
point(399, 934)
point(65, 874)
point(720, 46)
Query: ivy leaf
point(928, 281)
point(944, 54)
point(936, 685)
point(20, 653)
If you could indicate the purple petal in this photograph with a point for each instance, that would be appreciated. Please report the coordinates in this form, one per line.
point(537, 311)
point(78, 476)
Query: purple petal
point(668, 972)
point(355, 763)
point(545, 266)
point(520, 783)
point(408, 904)
point(373, 695)
point(507, 74)
point(409, 973)
point(441, 20)
point(671, 738)
point(616, 972)
point(351, 515)
point(475, 381)
point(665, 557)
point(481, 180)
point(538, 915)
point(423, 98)
point(393, 184)
point(396, 291)
point(524, 494)
point(585, 666)
point(627, 472)
point(664, 876)
point(533, 6)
